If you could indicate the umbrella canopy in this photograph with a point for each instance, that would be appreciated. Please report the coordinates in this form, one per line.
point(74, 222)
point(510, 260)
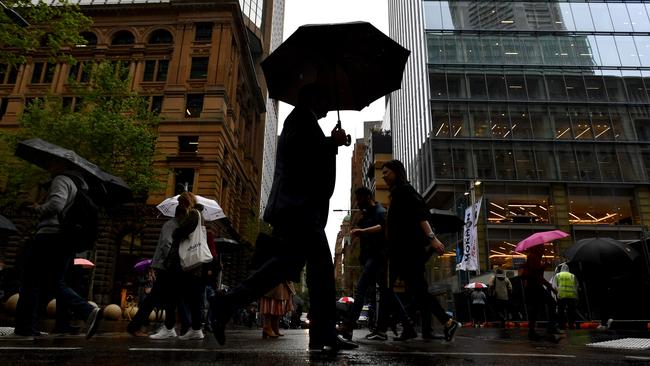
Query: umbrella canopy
point(445, 222)
point(6, 225)
point(142, 265)
point(601, 251)
point(540, 238)
point(211, 209)
point(352, 64)
point(346, 300)
point(476, 285)
point(83, 263)
point(42, 153)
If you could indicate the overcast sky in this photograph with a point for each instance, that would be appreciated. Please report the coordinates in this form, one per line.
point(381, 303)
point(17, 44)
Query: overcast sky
point(299, 12)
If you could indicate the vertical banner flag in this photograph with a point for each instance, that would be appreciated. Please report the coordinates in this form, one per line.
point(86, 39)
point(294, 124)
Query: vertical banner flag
point(469, 260)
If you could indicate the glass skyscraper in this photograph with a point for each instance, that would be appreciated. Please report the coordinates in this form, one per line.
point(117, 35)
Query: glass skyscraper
point(546, 103)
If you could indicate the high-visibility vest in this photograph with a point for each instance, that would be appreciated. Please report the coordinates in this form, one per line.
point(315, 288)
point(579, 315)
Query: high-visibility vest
point(566, 285)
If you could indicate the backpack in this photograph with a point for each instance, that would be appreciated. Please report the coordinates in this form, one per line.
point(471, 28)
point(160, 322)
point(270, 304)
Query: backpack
point(80, 219)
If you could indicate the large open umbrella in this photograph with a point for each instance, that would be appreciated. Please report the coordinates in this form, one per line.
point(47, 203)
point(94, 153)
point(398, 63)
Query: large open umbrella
point(601, 252)
point(351, 64)
point(6, 225)
point(42, 153)
point(539, 239)
point(211, 209)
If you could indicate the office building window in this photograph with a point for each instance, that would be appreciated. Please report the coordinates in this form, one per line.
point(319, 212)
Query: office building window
point(8, 74)
point(80, 72)
point(184, 180)
point(193, 105)
point(203, 32)
point(161, 36)
point(43, 73)
point(155, 104)
point(155, 70)
point(199, 68)
point(188, 144)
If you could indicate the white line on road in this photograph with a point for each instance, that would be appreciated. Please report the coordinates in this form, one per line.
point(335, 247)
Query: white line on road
point(638, 358)
point(151, 349)
point(39, 348)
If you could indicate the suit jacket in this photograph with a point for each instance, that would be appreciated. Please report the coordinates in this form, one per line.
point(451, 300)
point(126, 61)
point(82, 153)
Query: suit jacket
point(305, 173)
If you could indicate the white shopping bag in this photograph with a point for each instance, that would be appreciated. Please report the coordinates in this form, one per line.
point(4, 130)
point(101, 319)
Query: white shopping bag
point(194, 250)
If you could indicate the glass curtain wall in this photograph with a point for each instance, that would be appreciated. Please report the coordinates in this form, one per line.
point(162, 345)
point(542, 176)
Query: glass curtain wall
point(548, 104)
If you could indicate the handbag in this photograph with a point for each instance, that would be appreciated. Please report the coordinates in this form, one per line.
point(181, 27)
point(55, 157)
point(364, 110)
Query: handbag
point(194, 250)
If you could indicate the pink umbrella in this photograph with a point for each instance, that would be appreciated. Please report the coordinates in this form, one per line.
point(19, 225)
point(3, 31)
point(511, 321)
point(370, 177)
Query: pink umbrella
point(476, 285)
point(84, 263)
point(346, 300)
point(540, 238)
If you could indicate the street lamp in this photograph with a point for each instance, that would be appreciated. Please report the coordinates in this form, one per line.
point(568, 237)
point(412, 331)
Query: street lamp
point(13, 15)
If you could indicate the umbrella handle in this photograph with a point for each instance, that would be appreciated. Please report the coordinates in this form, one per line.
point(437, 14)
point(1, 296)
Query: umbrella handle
point(338, 127)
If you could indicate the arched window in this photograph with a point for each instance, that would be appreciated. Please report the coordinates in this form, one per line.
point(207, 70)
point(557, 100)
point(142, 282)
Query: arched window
point(90, 37)
point(123, 37)
point(161, 36)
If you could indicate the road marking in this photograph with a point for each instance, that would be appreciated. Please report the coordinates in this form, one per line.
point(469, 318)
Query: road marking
point(153, 349)
point(488, 354)
point(40, 348)
point(640, 358)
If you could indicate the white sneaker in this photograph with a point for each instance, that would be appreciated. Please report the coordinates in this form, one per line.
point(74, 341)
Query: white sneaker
point(192, 334)
point(164, 333)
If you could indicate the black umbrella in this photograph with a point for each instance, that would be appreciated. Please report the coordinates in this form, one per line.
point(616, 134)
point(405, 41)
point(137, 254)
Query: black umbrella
point(6, 225)
point(351, 64)
point(445, 221)
point(42, 153)
point(600, 251)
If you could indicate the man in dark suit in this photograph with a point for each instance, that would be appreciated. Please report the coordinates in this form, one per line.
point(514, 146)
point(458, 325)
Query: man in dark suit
point(298, 206)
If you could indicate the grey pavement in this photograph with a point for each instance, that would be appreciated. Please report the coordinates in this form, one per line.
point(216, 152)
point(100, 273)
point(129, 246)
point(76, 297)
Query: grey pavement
point(484, 346)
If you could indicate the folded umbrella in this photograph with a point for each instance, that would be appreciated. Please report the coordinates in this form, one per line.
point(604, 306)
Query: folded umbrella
point(42, 153)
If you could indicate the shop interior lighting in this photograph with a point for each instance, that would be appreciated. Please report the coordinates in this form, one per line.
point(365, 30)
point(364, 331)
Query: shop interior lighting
point(440, 129)
point(507, 21)
point(458, 131)
point(574, 216)
point(605, 130)
point(581, 133)
point(563, 132)
point(495, 205)
point(522, 205)
point(592, 216)
point(496, 214)
point(542, 207)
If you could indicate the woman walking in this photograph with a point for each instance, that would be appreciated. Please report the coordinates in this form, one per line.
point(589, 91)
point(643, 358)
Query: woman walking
point(273, 306)
point(409, 234)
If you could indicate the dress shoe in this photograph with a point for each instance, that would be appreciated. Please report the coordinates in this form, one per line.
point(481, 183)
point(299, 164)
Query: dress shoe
point(339, 344)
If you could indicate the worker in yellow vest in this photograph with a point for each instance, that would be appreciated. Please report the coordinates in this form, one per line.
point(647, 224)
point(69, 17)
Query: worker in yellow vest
point(567, 296)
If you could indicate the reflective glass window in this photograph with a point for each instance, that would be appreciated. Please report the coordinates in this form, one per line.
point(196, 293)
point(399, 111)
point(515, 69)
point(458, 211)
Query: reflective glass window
point(575, 86)
point(484, 160)
point(580, 123)
point(456, 86)
point(516, 87)
point(442, 163)
point(481, 125)
point(535, 86)
point(620, 17)
point(440, 116)
point(627, 51)
point(453, 50)
point(563, 16)
point(473, 50)
point(608, 163)
point(580, 52)
point(500, 128)
point(566, 162)
point(525, 162)
point(600, 16)
point(459, 120)
point(462, 155)
point(550, 50)
point(582, 17)
point(477, 86)
point(623, 122)
point(540, 16)
point(636, 91)
point(512, 51)
point(631, 164)
point(447, 20)
point(496, 84)
point(520, 122)
point(587, 163)
point(539, 118)
point(595, 87)
point(643, 49)
point(641, 122)
point(601, 124)
point(438, 85)
point(432, 15)
point(614, 85)
point(492, 50)
point(556, 87)
point(646, 80)
point(601, 205)
point(561, 123)
point(504, 162)
point(531, 51)
point(567, 49)
point(608, 51)
point(588, 52)
point(544, 162)
point(435, 48)
point(645, 162)
point(639, 17)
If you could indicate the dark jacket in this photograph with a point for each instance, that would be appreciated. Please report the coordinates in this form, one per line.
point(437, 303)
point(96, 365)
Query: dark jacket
point(305, 173)
point(372, 245)
point(406, 239)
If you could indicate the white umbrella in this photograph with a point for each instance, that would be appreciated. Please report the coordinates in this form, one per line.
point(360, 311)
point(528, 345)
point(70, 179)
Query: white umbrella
point(211, 209)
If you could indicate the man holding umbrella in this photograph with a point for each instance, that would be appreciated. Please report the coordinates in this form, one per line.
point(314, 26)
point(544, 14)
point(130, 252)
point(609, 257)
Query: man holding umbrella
point(48, 257)
point(297, 208)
